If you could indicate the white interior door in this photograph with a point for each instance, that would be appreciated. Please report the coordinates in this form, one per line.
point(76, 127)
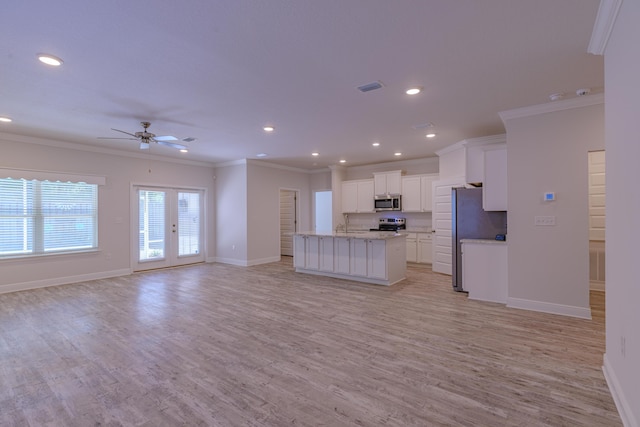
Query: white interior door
point(288, 221)
point(169, 224)
point(442, 247)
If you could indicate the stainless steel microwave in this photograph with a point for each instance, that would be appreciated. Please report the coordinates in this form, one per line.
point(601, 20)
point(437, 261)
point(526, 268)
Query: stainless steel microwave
point(388, 202)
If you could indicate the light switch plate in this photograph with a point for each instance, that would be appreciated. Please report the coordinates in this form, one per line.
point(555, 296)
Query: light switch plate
point(544, 220)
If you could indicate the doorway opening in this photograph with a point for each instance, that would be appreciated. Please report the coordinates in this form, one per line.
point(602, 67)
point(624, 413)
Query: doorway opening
point(597, 220)
point(288, 220)
point(323, 211)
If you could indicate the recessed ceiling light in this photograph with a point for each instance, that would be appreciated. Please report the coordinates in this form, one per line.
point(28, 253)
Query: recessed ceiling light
point(376, 144)
point(5, 119)
point(343, 161)
point(50, 59)
point(184, 150)
point(261, 155)
point(268, 128)
point(397, 154)
point(413, 91)
point(315, 154)
point(431, 135)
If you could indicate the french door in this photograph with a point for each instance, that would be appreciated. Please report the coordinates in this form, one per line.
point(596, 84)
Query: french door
point(169, 227)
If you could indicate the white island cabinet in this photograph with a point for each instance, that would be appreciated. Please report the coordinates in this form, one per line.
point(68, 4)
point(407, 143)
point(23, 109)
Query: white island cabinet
point(378, 258)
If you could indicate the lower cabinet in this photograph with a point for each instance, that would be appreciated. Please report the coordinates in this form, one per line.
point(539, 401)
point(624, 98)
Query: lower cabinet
point(306, 252)
point(419, 248)
point(424, 247)
point(377, 259)
point(412, 247)
point(341, 255)
point(326, 251)
point(358, 257)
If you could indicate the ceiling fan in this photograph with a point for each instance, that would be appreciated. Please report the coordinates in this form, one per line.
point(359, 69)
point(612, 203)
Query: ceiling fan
point(146, 137)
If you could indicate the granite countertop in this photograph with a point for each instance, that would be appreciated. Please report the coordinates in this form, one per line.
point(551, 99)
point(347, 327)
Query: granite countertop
point(380, 235)
point(484, 241)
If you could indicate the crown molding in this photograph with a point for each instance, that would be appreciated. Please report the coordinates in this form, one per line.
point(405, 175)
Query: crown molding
point(485, 140)
point(10, 137)
point(602, 28)
point(550, 107)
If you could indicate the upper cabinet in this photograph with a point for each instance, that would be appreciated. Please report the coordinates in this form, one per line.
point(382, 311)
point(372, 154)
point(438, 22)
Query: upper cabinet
point(388, 182)
point(417, 193)
point(494, 193)
point(357, 196)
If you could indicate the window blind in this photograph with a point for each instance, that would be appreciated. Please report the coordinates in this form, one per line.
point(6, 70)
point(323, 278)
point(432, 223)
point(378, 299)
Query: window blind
point(43, 217)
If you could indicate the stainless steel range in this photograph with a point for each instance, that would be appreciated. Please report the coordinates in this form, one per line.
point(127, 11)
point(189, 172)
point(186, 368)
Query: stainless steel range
point(392, 224)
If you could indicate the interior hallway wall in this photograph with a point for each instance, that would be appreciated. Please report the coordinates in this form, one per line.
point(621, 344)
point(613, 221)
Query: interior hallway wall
point(547, 151)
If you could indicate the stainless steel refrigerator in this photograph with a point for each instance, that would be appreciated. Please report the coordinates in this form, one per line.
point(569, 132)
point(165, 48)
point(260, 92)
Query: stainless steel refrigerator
point(470, 221)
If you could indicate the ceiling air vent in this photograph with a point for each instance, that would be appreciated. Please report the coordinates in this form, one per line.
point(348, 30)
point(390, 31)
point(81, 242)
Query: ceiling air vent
point(370, 86)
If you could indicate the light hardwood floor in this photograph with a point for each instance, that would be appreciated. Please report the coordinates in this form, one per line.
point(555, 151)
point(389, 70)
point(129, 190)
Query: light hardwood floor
point(221, 345)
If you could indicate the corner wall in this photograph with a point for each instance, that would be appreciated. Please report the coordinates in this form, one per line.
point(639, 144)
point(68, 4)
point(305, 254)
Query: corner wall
point(547, 150)
point(622, 110)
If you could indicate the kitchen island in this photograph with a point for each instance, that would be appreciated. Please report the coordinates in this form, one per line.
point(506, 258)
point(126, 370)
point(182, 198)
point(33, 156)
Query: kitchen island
point(372, 257)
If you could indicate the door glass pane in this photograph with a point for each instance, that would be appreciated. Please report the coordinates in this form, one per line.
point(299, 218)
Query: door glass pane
point(188, 223)
point(151, 225)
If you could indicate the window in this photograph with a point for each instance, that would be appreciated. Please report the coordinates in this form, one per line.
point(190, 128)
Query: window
point(44, 217)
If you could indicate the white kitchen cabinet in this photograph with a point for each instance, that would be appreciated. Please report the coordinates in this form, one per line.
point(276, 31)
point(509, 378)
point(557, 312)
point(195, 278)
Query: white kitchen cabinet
point(349, 196)
point(484, 270)
point(306, 252)
point(494, 192)
point(358, 252)
point(377, 259)
point(299, 251)
point(425, 248)
point(412, 247)
point(417, 193)
point(411, 194)
point(387, 182)
point(326, 253)
point(341, 251)
point(357, 196)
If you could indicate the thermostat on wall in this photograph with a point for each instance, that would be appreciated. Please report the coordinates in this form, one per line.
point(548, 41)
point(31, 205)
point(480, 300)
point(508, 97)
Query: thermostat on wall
point(549, 197)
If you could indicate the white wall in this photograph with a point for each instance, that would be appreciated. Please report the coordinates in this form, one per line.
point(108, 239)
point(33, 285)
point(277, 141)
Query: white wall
point(231, 213)
point(548, 151)
point(248, 210)
point(264, 182)
point(622, 71)
point(114, 220)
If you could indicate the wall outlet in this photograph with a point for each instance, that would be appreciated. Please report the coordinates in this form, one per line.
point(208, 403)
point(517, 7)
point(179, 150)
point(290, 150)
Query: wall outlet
point(544, 220)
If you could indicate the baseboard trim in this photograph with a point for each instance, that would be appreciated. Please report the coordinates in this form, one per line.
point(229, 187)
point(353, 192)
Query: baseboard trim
point(57, 281)
point(624, 409)
point(548, 307)
point(247, 263)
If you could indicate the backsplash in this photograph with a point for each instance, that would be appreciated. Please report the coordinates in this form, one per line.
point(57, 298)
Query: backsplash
point(418, 222)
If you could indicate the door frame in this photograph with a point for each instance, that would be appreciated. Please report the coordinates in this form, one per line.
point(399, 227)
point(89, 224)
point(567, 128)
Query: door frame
point(133, 223)
point(296, 219)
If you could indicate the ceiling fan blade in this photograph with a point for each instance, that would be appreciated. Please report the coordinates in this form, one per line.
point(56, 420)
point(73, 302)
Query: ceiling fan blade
point(144, 145)
point(106, 137)
point(165, 138)
point(118, 130)
point(171, 144)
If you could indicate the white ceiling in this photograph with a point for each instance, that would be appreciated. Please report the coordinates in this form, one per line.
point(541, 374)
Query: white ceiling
point(220, 70)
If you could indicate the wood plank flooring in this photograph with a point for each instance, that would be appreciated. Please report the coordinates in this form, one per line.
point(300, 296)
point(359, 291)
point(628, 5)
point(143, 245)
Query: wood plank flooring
point(221, 345)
